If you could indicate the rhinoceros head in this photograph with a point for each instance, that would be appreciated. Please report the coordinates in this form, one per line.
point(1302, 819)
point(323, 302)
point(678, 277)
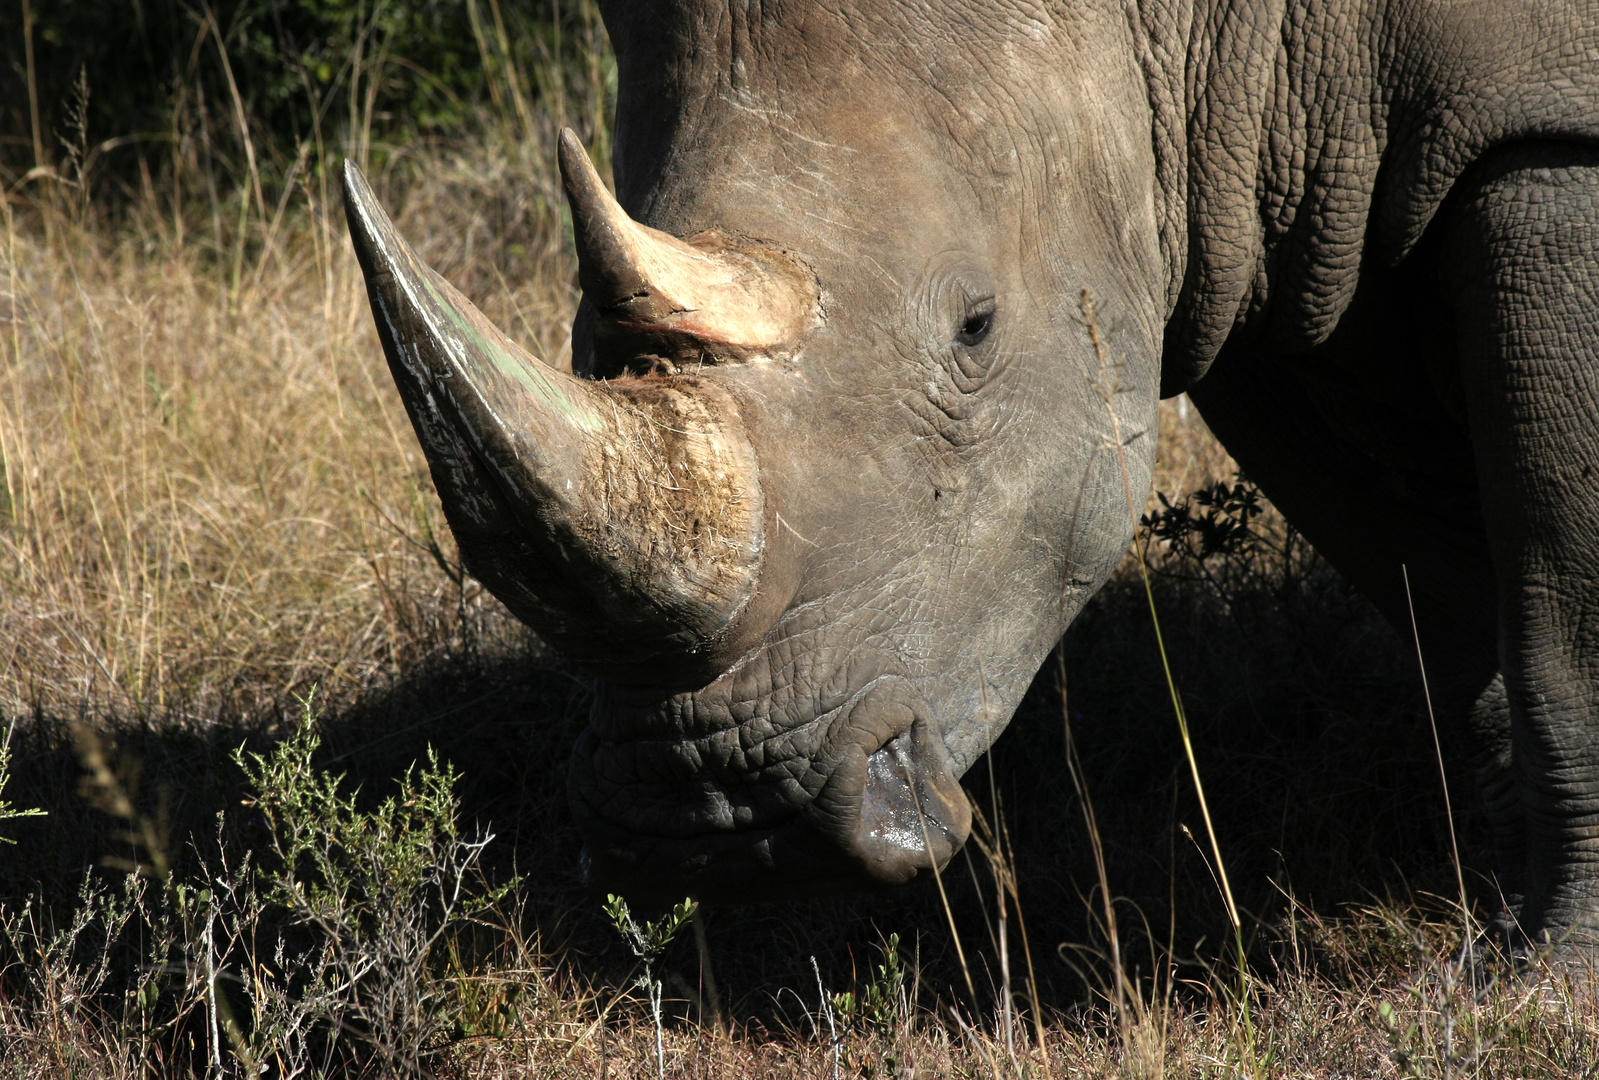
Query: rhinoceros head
point(841, 457)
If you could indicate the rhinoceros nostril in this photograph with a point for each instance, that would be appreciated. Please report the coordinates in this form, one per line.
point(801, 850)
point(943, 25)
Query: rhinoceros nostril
point(890, 813)
point(914, 815)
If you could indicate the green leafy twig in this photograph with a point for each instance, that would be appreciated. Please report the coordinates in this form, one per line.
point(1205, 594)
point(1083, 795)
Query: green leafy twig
point(7, 810)
point(647, 940)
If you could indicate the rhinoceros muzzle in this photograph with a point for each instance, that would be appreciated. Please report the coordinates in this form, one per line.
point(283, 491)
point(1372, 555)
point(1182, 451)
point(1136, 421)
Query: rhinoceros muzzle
point(861, 797)
point(625, 519)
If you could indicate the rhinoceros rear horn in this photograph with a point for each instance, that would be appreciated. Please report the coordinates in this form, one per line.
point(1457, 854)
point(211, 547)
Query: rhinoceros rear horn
point(621, 520)
point(714, 296)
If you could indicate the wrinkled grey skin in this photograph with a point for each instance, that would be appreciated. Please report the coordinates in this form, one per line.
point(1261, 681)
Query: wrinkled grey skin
point(1364, 236)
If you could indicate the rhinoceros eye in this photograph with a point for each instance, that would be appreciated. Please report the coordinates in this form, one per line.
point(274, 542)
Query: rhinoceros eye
point(979, 321)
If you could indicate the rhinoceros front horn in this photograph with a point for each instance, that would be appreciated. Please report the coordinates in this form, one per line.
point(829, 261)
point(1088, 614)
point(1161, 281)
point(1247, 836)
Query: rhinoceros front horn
point(715, 296)
point(622, 520)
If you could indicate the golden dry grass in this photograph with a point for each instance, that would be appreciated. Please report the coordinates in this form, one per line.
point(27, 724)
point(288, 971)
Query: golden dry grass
point(213, 498)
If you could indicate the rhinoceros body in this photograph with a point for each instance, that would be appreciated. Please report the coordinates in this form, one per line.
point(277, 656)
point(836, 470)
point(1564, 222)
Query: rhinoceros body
point(866, 383)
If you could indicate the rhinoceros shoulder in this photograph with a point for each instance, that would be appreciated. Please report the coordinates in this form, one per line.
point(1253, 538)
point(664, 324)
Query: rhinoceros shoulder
point(1464, 77)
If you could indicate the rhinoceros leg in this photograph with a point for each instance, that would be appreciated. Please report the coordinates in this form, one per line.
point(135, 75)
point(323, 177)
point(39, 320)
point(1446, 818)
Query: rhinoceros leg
point(1368, 519)
point(1489, 718)
point(1523, 242)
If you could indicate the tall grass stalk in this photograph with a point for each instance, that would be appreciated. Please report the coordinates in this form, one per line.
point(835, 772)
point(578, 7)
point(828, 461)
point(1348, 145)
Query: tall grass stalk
point(253, 172)
point(826, 1008)
point(8, 437)
point(1443, 778)
point(707, 972)
point(1467, 961)
point(954, 931)
point(995, 843)
point(1120, 1004)
point(40, 161)
point(1107, 390)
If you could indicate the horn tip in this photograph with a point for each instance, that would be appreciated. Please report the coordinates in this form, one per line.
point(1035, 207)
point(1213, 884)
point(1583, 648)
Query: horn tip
point(582, 180)
point(357, 195)
point(361, 208)
point(351, 177)
point(371, 232)
point(570, 153)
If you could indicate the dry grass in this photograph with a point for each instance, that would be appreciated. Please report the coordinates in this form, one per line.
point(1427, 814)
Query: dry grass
point(1309, 1026)
point(213, 497)
point(213, 501)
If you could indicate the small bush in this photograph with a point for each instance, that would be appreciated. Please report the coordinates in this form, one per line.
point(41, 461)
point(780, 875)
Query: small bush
point(380, 893)
point(322, 935)
point(881, 1003)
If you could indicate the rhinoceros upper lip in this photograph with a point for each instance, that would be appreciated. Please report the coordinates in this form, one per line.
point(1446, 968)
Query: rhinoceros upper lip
point(885, 810)
point(725, 777)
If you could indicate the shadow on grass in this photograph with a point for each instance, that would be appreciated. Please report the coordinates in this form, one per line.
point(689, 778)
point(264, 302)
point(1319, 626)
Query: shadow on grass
point(1307, 725)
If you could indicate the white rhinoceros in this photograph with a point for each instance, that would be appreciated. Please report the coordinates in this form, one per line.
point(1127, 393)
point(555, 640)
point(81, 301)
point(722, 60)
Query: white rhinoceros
point(840, 458)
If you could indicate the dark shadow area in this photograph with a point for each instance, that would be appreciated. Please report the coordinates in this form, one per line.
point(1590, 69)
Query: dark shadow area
point(1307, 724)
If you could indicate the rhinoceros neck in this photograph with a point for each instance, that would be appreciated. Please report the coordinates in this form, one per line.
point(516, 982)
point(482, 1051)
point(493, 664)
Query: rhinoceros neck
point(1266, 114)
point(1296, 140)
